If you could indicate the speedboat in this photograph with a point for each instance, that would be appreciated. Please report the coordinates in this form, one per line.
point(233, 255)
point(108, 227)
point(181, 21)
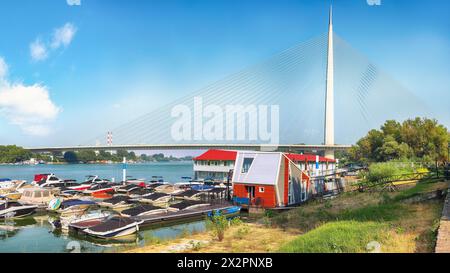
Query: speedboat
point(186, 183)
point(91, 180)
point(8, 185)
point(13, 195)
point(142, 210)
point(117, 202)
point(169, 189)
point(189, 195)
point(100, 188)
point(126, 189)
point(156, 198)
point(71, 206)
point(14, 209)
point(36, 196)
point(84, 221)
point(47, 180)
point(136, 182)
point(157, 179)
point(115, 226)
point(187, 205)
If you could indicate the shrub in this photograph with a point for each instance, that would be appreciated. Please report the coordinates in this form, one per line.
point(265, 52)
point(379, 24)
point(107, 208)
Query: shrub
point(218, 224)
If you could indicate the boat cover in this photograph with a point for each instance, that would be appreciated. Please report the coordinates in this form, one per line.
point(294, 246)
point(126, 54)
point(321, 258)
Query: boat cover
point(117, 199)
point(155, 196)
point(112, 224)
point(185, 204)
point(75, 202)
point(139, 209)
point(188, 193)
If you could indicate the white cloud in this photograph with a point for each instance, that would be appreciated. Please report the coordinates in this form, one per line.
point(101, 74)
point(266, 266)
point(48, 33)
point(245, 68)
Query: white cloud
point(63, 36)
point(74, 2)
point(38, 51)
point(27, 106)
point(3, 68)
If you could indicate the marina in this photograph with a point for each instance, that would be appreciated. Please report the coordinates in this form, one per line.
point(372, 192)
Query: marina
point(96, 211)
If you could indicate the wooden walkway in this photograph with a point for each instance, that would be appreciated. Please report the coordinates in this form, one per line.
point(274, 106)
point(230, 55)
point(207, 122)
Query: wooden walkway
point(182, 215)
point(443, 239)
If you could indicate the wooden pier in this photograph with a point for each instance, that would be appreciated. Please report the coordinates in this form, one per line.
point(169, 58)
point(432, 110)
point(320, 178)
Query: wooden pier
point(190, 214)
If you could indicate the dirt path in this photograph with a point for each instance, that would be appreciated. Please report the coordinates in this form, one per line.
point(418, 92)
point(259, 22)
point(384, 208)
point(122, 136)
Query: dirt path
point(443, 239)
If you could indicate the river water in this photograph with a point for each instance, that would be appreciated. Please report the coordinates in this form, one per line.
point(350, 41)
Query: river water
point(34, 233)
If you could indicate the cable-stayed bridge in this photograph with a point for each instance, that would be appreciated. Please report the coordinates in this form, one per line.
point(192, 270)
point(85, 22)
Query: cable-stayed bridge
point(321, 91)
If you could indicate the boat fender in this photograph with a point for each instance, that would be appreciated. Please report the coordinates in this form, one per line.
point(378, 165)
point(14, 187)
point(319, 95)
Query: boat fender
point(54, 204)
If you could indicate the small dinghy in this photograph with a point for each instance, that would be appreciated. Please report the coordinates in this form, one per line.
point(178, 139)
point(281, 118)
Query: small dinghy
point(14, 209)
point(113, 227)
point(187, 205)
point(117, 202)
point(156, 198)
point(142, 210)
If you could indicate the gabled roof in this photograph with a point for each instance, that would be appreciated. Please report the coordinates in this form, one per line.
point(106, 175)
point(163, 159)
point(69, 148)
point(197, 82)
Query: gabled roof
point(231, 155)
point(308, 157)
point(217, 155)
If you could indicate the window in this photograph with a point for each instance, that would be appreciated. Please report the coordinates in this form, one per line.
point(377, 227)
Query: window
point(246, 164)
point(261, 189)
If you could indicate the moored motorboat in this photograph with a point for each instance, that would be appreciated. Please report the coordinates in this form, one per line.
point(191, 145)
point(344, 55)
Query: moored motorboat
point(187, 205)
point(188, 195)
point(84, 221)
point(142, 210)
point(91, 180)
point(100, 188)
point(14, 209)
point(156, 198)
point(117, 202)
point(115, 226)
point(15, 195)
point(36, 196)
point(71, 206)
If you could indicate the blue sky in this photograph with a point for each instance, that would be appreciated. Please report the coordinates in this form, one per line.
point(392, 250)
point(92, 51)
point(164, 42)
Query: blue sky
point(105, 62)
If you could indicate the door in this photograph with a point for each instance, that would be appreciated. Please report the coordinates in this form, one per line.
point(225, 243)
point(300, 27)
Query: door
point(250, 193)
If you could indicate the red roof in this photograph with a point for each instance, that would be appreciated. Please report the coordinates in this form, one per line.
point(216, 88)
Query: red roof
point(231, 155)
point(308, 157)
point(217, 155)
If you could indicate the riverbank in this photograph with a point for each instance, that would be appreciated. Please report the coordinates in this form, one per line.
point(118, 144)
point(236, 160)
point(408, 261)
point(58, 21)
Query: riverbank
point(393, 221)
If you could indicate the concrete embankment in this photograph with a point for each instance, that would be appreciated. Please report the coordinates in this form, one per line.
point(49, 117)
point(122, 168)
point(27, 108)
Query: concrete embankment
point(443, 238)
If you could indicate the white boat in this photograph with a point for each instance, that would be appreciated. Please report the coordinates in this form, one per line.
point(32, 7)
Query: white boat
point(113, 227)
point(142, 210)
point(83, 221)
point(14, 209)
point(36, 196)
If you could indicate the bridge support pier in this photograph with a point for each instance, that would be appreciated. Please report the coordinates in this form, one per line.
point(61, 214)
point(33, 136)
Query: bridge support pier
point(329, 153)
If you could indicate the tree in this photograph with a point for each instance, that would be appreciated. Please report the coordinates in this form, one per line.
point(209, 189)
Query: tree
point(420, 138)
point(13, 154)
point(71, 157)
point(86, 155)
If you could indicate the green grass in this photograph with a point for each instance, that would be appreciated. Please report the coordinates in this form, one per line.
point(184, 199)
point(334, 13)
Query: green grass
point(338, 237)
point(421, 187)
point(381, 213)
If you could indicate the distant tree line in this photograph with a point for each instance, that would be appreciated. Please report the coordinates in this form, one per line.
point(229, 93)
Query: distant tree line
point(419, 139)
point(17, 154)
point(92, 156)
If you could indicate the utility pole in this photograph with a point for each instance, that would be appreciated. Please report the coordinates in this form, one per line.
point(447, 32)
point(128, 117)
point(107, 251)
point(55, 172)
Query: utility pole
point(229, 178)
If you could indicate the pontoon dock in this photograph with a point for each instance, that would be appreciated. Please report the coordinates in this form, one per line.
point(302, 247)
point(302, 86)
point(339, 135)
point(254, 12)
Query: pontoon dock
point(184, 214)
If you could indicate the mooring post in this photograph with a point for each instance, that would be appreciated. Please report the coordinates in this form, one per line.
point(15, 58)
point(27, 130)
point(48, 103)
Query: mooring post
point(124, 170)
